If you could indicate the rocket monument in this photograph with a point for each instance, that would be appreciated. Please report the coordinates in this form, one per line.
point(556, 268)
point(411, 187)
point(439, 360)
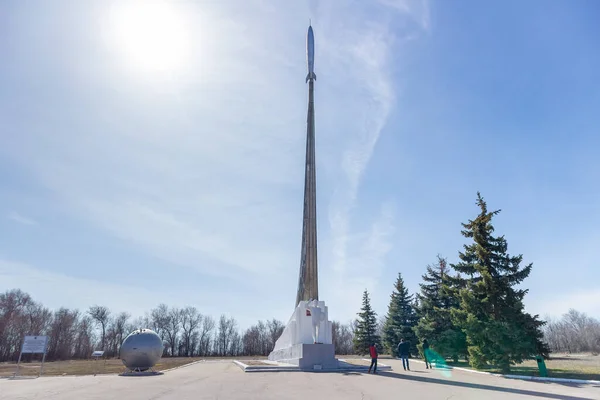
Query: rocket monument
point(307, 340)
point(308, 281)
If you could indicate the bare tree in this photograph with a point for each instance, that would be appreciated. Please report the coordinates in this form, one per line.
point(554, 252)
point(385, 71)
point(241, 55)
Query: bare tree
point(342, 337)
point(236, 345)
point(110, 338)
point(380, 325)
point(38, 318)
point(100, 314)
point(13, 304)
point(172, 328)
point(254, 339)
point(194, 343)
point(159, 318)
point(335, 335)
point(139, 323)
point(225, 335)
point(121, 329)
point(260, 339)
point(190, 320)
point(72, 334)
point(115, 332)
point(275, 329)
point(574, 332)
point(62, 333)
point(84, 338)
point(251, 341)
point(208, 325)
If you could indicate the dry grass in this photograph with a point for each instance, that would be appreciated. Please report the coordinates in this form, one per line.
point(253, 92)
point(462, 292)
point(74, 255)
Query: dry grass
point(258, 362)
point(573, 366)
point(84, 367)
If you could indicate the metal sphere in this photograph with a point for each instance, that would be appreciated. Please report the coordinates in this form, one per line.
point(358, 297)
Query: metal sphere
point(141, 349)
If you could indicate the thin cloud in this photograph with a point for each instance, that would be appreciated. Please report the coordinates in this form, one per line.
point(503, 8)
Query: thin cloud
point(74, 292)
point(365, 47)
point(205, 170)
point(364, 265)
point(200, 183)
point(15, 216)
point(80, 293)
point(417, 9)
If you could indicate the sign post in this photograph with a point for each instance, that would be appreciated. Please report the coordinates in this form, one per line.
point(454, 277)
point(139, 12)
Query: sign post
point(42, 366)
point(33, 345)
point(96, 355)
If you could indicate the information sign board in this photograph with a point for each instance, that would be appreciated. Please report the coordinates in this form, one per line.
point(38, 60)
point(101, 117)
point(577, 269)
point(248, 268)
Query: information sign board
point(34, 344)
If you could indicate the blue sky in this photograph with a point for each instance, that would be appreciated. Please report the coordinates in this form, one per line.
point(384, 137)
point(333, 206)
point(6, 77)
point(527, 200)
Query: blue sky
point(155, 154)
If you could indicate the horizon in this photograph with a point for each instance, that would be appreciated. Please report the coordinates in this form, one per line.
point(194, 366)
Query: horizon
point(155, 155)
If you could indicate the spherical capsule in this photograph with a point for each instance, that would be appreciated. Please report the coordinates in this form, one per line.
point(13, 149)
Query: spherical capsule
point(141, 349)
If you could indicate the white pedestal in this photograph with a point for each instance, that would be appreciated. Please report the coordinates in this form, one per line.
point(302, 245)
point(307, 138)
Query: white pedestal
point(307, 356)
point(297, 346)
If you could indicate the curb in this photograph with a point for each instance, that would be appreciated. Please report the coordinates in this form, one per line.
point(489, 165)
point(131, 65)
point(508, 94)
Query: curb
point(258, 368)
point(293, 368)
point(182, 366)
point(196, 362)
point(521, 377)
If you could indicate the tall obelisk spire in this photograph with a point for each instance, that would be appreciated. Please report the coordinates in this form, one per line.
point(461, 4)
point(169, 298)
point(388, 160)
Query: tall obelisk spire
point(308, 282)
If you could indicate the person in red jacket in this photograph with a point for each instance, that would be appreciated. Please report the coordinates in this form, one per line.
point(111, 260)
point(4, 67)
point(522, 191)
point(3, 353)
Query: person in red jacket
point(374, 355)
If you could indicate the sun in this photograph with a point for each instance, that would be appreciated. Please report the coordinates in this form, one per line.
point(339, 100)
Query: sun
point(151, 35)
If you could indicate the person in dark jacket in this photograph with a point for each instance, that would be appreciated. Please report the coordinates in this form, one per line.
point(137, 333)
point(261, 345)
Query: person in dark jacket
point(404, 352)
point(374, 355)
point(426, 353)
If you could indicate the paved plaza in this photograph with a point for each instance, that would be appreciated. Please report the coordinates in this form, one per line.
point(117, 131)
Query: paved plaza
point(225, 380)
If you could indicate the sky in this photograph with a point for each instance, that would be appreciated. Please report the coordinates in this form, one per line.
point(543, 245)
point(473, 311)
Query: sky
point(155, 153)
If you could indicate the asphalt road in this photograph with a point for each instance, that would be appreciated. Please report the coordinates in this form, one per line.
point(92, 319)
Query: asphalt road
point(225, 380)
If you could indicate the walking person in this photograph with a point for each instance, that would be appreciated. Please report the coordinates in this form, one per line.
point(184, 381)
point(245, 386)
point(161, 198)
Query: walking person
point(374, 355)
point(426, 353)
point(404, 351)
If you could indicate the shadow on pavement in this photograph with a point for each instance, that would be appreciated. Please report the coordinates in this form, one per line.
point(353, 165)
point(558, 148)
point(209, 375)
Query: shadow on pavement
point(144, 374)
point(567, 384)
point(520, 370)
point(479, 386)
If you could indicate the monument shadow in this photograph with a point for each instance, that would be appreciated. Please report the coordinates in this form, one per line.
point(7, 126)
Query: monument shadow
point(478, 386)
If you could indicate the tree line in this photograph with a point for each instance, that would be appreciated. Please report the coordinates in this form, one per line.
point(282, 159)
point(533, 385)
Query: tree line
point(472, 309)
point(73, 334)
point(575, 332)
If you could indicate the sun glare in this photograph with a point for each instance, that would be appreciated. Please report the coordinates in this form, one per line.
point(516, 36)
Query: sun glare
point(151, 35)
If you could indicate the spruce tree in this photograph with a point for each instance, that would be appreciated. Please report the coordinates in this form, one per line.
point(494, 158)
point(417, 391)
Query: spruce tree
point(491, 313)
point(437, 298)
point(400, 319)
point(365, 333)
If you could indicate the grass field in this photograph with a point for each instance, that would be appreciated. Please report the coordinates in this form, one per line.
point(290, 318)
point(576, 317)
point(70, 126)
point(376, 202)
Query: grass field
point(89, 367)
point(573, 366)
point(257, 362)
point(84, 367)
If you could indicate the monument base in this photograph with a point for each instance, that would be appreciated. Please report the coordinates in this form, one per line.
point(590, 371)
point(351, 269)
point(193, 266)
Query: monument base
point(306, 341)
point(307, 356)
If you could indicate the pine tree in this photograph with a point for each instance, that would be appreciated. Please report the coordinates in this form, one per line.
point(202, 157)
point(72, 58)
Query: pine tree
point(437, 298)
point(365, 333)
point(498, 330)
point(400, 319)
